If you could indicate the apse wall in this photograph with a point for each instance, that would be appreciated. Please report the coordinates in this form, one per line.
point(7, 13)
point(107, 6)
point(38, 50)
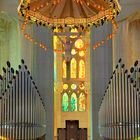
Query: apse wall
point(13, 46)
point(101, 70)
point(126, 44)
point(10, 40)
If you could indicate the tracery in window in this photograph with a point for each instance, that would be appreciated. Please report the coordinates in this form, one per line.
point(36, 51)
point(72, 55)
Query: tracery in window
point(79, 44)
point(73, 68)
point(74, 30)
point(73, 86)
point(81, 69)
point(64, 69)
point(73, 52)
point(82, 53)
point(73, 102)
point(65, 102)
point(82, 102)
point(81, 86)
point(65, 86)
point(74, 98)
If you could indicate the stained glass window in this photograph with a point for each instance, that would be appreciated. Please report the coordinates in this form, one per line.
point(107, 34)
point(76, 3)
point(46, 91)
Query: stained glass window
point(64, 69)
point(82, 102)
point(81, 53)
point(73, 102)
point(79, 43)
point(73, 68)
point(74, 30)
point(81, 86)
point(73, 52)
point(65, 86)
point(65, 102)
point(81, 69)
point(73, 86)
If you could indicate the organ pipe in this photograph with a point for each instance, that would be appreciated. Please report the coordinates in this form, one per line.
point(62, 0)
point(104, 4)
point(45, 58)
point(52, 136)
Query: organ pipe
point(119, 113)
point(21, 106)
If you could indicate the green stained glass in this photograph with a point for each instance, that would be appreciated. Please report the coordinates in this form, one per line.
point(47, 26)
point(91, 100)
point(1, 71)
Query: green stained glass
point(73, 102)
point(65, 102)
point(82, 102)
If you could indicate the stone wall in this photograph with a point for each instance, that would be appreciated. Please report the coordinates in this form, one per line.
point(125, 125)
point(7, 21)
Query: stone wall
point(126, 43)
point(101, 70)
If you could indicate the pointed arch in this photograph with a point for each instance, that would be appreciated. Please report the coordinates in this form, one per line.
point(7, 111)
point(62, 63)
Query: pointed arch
point(64, 69)
point(73, 67)
point(81, 69)
point(82, 102)
point(73, 102)
point(65, 102)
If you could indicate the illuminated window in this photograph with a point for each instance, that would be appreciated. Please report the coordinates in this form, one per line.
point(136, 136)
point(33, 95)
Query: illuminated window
point(73, 102)
point(65, 86)
point(2, 138)
point(73, 68)
point(79, 44)
point(73, 99)
point(81, 86)
point(73, 52)
point(74, 30)
point(64, 69)
point(81, 53)
point(73, 86)
point(65, 102)
point(81, 69)
point(82, 102)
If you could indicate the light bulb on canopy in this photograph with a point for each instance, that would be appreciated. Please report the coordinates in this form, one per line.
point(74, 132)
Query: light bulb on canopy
point(65, 14)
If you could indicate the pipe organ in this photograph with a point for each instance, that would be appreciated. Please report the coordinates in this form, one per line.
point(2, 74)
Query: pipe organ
point(21, 106)
point(119, 112)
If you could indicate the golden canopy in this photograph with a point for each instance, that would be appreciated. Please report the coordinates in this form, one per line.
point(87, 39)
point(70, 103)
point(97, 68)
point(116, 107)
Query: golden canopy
point(69, 12)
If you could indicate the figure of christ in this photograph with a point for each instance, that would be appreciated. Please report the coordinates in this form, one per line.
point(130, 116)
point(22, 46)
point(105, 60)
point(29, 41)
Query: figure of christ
point(68, 45)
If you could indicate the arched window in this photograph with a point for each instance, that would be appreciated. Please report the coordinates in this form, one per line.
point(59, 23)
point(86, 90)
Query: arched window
point(65, 102)
point(73, 102)
point(82, 102)
point(64, 69)
point(73, 68)
point(79, 44)
point(81, 69)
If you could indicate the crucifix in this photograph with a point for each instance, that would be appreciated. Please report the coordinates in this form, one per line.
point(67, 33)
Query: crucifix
point(68, 45)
